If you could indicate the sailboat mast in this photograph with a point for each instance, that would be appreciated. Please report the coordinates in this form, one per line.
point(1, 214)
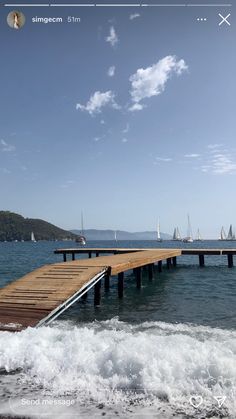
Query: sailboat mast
point(82, 223)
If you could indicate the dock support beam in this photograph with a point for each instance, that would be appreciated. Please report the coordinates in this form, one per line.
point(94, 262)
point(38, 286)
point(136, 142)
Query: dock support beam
point(201, 260)
point(64, 257)
point(230, 261)
point(107, 282)
point(174, 261)
point(97, 293)
point(160, 266)
point(138, 274)
point(168, 263)
point(90, 255)
point(150, 271)
point(73, 256)
point(120, 284)
point(97, 254)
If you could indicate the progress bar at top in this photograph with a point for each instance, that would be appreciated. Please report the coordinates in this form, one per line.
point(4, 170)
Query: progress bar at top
point(117, 5)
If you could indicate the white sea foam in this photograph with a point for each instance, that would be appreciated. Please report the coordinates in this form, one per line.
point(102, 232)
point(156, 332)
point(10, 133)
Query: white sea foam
point(117, 364)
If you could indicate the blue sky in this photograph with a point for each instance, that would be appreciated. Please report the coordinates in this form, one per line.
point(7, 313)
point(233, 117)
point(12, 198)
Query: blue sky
point(128, 118)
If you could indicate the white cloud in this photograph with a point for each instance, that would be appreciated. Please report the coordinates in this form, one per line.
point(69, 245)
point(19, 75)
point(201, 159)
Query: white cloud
point(151, 81)
point(164, 159)
point(124, 140)
point(7, 147)
point(111, 71)
point(102, 122)
point(67, 184)
point(98, 101)
point(112, 38)
point(96, 139)
point(214, 146)
point(134, 16)
point(126, 129)
point(193, 155)
point(220, 163)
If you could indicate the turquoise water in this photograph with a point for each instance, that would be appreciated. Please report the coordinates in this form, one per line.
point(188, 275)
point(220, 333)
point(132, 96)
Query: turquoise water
point(144, 355)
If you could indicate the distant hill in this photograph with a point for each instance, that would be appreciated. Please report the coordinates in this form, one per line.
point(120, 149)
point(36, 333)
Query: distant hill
point(15, 227)
point(121, 235)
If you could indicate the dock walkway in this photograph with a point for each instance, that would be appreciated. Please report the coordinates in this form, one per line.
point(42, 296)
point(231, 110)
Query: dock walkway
point(42, 295)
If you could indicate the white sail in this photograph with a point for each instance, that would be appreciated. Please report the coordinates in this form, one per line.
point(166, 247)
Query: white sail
point(178, 237)
point(199, 237)
point(115, 236)
point(189, 237)
point(32, 237)
point(175, 234)
point(222, 234)
point(159, 239)
point(231, 235)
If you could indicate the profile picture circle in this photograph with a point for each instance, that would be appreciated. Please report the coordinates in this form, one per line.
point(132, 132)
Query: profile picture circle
point(16, 19)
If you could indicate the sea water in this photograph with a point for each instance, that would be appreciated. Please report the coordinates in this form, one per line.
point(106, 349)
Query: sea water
point(167, 350)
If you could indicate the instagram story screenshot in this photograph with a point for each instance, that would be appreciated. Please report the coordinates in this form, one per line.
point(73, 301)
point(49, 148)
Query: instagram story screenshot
point(118, 209)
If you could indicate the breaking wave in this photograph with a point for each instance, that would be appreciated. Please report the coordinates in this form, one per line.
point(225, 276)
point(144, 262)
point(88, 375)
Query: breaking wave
point(153, 365)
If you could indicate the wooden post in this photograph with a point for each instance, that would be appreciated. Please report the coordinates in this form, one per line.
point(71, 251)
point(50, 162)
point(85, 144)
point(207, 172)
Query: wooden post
point(97, 293)
point(168, 263)
point(138, 273)
point(120, 284)
point(64, 257)
point(90, 255)
point(73, 256)
point(160, 266)
point(107, 281)
point(174, 261)
point(230, 261)
point(150, 271)
point(201, 260)
point(97, 254)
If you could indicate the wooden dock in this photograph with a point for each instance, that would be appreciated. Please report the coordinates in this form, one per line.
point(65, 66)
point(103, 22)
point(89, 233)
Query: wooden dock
point(41, 296)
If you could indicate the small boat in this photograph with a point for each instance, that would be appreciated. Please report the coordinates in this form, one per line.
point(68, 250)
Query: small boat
point(159, 239)
point(199, 237)
point(176, 235)
point(189, 237)
point(81, 238)
point(32, 237)
point(115, 236)
point(222, 234)
point(231, 235)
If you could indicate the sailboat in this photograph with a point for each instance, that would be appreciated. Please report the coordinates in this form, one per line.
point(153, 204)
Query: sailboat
point(159, 239)
point(222, 234)
point(199, 237)
point(115, 236)
point(231, 235)
point(176, 235)
point(32, 237)
point(189, 237)
point(81, 238)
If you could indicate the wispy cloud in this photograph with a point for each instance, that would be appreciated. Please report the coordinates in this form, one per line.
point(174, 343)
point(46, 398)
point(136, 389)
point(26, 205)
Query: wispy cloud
point(124, 140)
point(214, 146)
point(6, 147)
point(134, 16)
point(98, 101)
point(151, 81)
point(112, 38)
point(219, 161)
point(5, 171)
point(126, 129)
point(163, 159)
point(192, 156)
point(67, 184)
point(111, 71)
